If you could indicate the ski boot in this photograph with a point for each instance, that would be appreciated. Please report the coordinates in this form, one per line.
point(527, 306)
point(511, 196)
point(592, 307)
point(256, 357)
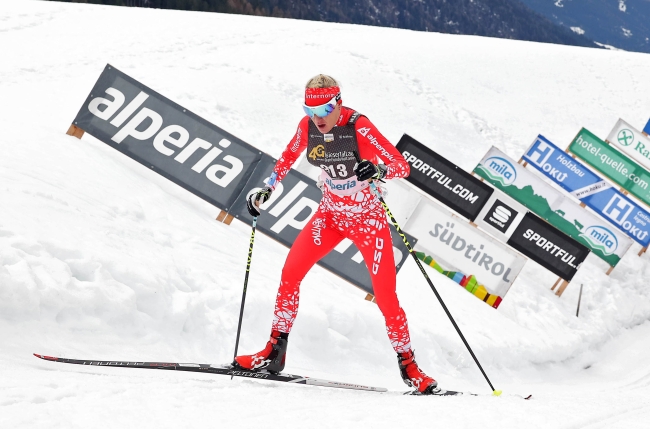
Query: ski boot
point(271, 358)
point(413, 375)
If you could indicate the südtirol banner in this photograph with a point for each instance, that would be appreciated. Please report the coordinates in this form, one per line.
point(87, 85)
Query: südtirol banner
point(630, 141)
point(547, 246)
point(613, 164)
point(443, 180)
point(523, 186)
point(458, 246)
point(578, 180)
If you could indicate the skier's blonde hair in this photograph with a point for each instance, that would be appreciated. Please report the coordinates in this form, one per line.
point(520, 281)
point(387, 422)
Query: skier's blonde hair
point(321, 81)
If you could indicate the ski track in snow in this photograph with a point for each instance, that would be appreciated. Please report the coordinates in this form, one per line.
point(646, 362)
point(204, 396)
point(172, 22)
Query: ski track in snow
point(101, 258)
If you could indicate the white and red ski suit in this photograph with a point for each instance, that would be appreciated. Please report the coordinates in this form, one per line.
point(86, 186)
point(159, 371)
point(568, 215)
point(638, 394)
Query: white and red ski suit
point(348, 209)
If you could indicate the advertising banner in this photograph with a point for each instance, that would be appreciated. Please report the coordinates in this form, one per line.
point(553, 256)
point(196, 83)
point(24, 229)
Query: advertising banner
point(210, 163)
point(578, 180)
point(501, 216)
point(443, 180)
point(612, 164)
point(540, 198)
point(165, 137)
point(460, 247)
point(646, 129)
point(549, 247)
point(631, 142)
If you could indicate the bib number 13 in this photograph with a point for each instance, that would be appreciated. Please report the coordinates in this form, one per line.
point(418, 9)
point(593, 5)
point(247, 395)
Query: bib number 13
point(342, 171)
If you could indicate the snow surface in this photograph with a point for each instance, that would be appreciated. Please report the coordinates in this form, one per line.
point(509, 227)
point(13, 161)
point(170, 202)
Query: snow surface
point(102, 259)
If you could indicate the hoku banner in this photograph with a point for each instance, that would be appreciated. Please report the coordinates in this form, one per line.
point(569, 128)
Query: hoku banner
point(578, 180)
point(210, 163)
point(613, 164)
point(523, 186)
point(631, 141)
point(460, 247)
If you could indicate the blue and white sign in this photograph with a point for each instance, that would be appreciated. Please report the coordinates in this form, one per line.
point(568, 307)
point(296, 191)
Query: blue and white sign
point(574, 177)
point(646, 129)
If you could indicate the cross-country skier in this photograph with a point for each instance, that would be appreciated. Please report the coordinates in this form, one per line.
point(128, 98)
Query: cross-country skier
point(331, 133)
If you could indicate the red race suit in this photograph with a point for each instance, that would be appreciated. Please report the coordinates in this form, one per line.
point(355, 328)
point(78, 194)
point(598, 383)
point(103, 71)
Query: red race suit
point(348, 209)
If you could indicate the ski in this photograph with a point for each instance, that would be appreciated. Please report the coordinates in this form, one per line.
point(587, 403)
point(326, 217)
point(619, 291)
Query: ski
point(256, 375)
point(217, 369)
point(443, 392)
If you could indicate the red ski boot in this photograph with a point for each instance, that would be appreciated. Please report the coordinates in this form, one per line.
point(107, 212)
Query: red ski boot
point(413, 375)
point(270, 359)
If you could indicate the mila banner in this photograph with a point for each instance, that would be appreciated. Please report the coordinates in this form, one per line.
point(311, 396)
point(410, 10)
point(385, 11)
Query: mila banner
point(289, 211)
point(170, 140)
point(631, 142)
point(458, 246)
point(550, 248)
point(550, 204)
point(614, 165)
point(443, 180)
point(597, 194)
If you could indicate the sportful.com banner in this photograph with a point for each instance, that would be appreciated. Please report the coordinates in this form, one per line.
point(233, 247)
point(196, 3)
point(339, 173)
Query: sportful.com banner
point(549, 247)
point(443, 180)
point(591, 189)
point(523, 186)
point(631, 141)
point(208, 162)
point(612, 164)
point(456, 245)
point(557, 252)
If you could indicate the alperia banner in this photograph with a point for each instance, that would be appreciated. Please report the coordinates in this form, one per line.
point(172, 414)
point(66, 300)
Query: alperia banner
point(523, 186)
point(578, 180)
point(613, 164)
point(631, 141)
point(210, 163)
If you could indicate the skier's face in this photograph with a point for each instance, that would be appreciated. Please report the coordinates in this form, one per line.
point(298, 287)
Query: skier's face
point(326, 123)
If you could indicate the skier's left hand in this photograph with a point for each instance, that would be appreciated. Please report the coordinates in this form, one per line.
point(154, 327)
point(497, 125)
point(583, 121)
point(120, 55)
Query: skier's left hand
point(366, 170)
point(255, 199)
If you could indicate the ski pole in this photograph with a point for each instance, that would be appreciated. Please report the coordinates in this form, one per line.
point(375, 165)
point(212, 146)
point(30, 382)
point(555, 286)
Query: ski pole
point(243, 297)
point(375, 191)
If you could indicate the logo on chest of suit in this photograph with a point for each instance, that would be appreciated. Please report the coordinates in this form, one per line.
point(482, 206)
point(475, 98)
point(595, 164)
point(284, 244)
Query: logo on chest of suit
point(317, 152)
point(328, 138)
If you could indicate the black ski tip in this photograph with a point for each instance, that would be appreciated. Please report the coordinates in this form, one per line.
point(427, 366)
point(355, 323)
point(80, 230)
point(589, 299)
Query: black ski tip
point(528, 397)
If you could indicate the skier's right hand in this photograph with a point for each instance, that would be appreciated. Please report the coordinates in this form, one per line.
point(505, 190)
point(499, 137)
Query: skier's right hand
point(256, 198)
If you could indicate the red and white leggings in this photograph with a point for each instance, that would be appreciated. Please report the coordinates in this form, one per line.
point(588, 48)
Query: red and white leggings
point(361, 219)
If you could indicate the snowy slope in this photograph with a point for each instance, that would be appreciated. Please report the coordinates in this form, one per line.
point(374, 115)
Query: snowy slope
point(101, 258)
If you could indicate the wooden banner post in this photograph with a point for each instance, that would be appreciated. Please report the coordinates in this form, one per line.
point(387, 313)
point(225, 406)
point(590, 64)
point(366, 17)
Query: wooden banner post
point(75, 131)
point(642, 251)
point(563, 286)
point(225, 217)
point(559, 279)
